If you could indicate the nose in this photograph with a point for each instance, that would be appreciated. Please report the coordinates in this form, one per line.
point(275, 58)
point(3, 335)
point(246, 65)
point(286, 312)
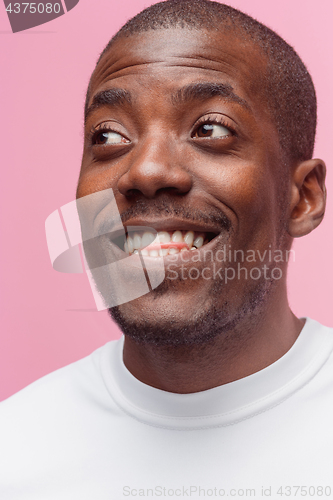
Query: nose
point(155, 167)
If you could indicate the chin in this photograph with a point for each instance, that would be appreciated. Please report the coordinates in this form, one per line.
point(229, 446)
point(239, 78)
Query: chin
point(172, 305)
point(164, 327)
point(165, 318)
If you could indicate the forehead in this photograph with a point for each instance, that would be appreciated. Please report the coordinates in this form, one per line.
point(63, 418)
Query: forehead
point(170, 58)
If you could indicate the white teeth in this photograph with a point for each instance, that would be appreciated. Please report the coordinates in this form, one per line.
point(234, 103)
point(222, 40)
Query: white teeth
point(198, 242)
point(147, 239)
point(130, 244)
point(189, 237)
point(137, 241)
point(153, 253)
point(163, 237)
point(177, 237)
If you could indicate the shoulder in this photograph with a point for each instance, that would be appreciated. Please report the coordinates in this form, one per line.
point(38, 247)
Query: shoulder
point(49, 422)
point(63, 380)
point(55, 398)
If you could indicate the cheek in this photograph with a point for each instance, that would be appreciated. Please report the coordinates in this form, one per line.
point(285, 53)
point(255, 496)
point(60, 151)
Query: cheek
point(248, 190)
point(96, 179)
point(238, 184)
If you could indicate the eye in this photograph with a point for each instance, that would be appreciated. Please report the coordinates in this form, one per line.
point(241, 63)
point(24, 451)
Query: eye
point(214, 130)
point(107, 137)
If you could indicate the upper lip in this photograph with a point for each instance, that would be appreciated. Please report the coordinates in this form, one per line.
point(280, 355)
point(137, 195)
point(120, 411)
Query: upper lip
point(172, 224)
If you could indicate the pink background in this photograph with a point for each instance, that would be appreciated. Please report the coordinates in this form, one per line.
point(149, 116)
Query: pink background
point(45, 72)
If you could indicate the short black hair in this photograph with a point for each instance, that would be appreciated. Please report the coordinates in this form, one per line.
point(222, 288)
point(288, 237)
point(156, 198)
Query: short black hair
point(287, 85)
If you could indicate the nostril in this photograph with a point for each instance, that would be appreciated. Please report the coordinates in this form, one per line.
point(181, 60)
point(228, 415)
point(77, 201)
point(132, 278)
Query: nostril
point(152, 177)
point(133, 192)
point(173, 190)
point(136, 193)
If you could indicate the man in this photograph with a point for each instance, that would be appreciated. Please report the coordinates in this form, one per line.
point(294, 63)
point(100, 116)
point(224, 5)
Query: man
point(202, 123)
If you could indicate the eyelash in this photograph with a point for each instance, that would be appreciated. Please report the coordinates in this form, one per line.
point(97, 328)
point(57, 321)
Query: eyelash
point(213, 120)
point(100, 129)
point(210, 119)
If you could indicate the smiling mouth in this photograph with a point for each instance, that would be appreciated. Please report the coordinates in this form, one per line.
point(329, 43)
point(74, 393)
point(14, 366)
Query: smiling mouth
point(168, 242)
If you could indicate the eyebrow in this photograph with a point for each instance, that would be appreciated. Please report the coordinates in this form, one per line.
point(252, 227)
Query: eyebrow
point(207, 90)
point(117, 97)
point(111, 97)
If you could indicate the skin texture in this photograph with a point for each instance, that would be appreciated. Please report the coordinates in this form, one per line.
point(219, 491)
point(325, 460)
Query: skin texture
point(192, 335)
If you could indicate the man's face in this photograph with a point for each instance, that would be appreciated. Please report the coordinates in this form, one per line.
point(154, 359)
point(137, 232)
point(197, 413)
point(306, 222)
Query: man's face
point(189, 146)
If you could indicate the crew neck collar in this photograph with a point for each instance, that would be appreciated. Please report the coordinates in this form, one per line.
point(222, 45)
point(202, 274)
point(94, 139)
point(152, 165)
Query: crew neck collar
point(223, 405)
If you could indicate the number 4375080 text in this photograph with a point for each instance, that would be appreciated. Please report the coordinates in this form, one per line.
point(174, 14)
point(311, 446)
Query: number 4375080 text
point(33, 8)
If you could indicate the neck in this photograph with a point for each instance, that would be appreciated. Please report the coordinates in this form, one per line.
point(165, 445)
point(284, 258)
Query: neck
point(253, 344)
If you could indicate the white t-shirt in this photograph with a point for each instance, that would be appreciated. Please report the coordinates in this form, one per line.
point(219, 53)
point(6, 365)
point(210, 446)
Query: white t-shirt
point(91, 431)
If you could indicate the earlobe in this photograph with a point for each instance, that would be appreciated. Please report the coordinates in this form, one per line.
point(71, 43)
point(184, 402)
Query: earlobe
point(308, 197)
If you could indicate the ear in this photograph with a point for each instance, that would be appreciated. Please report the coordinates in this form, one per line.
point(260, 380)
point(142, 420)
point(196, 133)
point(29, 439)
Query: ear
point(308, 197)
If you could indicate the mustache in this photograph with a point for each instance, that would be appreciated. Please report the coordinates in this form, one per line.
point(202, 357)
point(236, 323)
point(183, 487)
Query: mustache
point(165, 208)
